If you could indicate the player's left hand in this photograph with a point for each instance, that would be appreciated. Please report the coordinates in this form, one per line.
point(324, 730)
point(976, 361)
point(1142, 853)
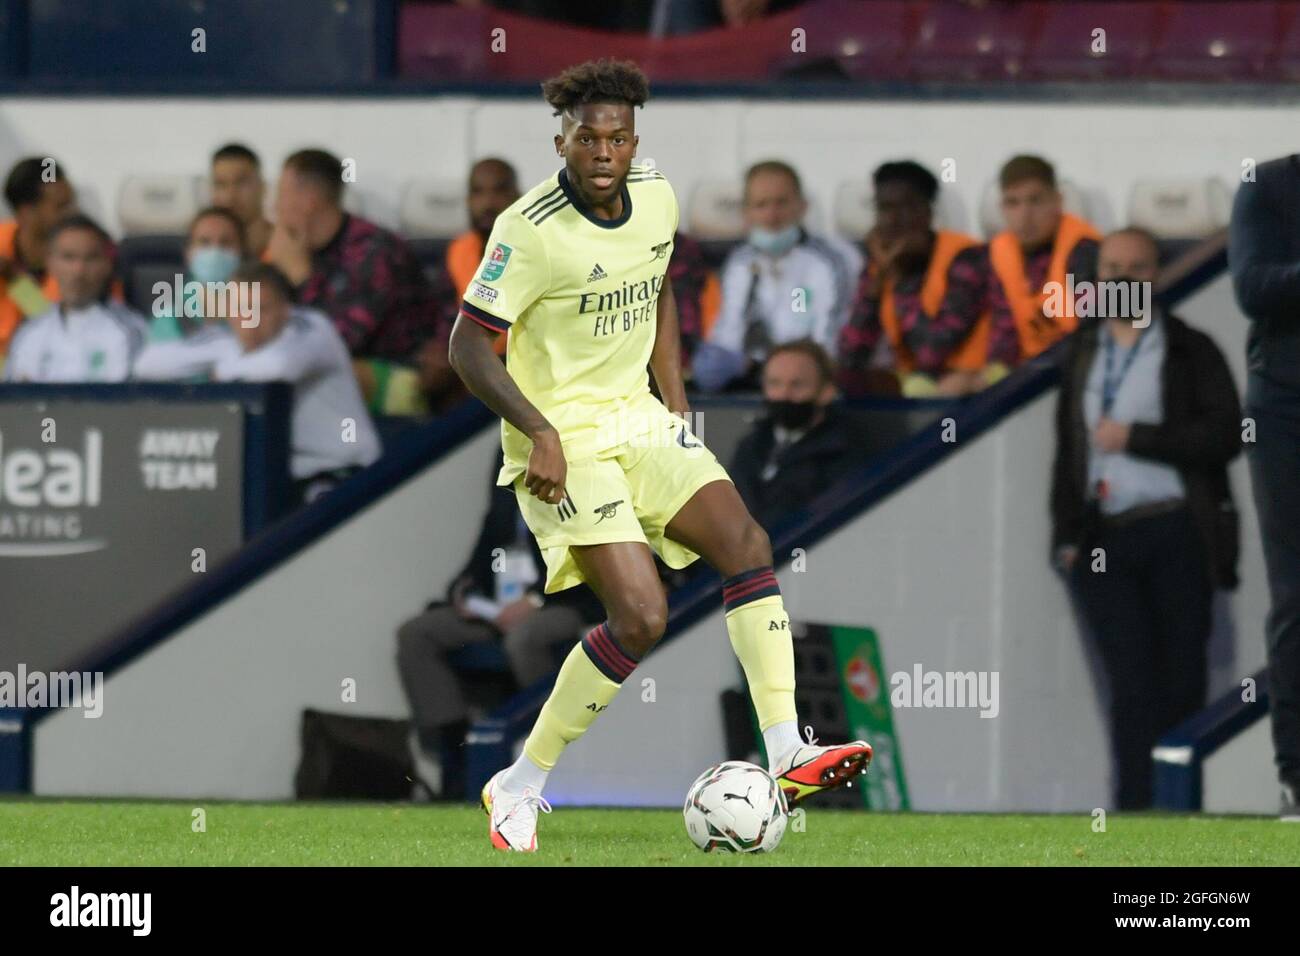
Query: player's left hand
point(1110, 435)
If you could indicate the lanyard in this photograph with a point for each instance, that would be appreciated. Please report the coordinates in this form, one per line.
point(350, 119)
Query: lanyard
point(1111, 383)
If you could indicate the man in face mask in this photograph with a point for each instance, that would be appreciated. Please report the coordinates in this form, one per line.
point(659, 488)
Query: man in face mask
point(1144, 526)
point(803, 445)
point(781, 284)
point(214, 248)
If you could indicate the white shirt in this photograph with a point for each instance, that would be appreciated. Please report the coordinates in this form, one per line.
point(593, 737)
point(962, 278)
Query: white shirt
point(331, 427)
point(806, 293)
point(97, 343)
point(1129, 481)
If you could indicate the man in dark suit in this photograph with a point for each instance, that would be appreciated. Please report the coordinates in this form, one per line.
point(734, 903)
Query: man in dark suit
point(1144, 525)
point(1264, 255)
point(803, 445)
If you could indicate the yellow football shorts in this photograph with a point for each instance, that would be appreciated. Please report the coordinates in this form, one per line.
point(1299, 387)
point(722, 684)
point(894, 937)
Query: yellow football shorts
point(629, 492)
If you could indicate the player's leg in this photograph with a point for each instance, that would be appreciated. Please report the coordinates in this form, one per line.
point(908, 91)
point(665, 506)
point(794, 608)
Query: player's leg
point(624, 578)
point(715, 524)
point(588, 538)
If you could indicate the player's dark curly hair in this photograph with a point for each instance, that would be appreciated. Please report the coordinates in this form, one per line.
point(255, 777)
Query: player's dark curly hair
point(597, 81)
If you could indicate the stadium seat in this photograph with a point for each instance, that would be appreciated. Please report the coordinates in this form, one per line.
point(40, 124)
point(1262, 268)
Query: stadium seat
point(854, 213)
point(1209, 41)
point(1180, 208)
point(157, 205)
point(432, 214)
point(990, 213)
point(1063, 49)
point(960, 43)
point(863, 41)
point(155, 211)
point(716, 218)
point(143, 261)
point(433, 209)
point(1285, 63)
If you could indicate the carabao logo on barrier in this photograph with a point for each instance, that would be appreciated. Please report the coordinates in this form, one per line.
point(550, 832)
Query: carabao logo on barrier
point(862, 680)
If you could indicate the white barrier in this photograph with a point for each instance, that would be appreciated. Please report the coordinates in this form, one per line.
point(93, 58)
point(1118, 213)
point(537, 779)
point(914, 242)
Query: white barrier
point(1101, 149)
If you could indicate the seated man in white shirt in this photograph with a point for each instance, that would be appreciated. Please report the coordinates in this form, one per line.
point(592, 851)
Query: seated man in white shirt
point(780, 285)
point(84, 337)
point(332, 434)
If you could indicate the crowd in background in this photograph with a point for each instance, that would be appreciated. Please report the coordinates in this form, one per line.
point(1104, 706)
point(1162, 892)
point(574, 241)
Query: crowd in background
point(912, 309)
point(1148, 414)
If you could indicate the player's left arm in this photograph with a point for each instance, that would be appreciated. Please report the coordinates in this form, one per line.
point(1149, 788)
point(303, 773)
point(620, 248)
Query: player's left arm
point(666, 359)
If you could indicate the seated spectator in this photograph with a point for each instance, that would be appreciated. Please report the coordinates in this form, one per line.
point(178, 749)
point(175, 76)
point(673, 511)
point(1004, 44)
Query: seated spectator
point(237, 185)
point(497, 596)
point(40, 196)
point(695, 290)
point(781, 284)
point(331, 432)
point(84, 337)
point(920, 298)
point(363, 277)
point(493, 186)
point(803, 445)
point(214, 249)
point(1143, 523)
point(1041, 244)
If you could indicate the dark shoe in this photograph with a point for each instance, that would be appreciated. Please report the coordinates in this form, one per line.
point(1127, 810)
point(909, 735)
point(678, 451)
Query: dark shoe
point(1290, 803)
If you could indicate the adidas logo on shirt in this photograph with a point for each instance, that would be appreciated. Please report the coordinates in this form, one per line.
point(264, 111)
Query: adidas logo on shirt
point(597, 274)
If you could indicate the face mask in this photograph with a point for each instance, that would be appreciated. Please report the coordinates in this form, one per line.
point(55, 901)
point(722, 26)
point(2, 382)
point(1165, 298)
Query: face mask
point(212, 264)
point(774, 243)
point(792, 415)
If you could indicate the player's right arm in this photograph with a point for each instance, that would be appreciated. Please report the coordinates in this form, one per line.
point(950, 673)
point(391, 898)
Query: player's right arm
point(514, 274)
point(472, 356)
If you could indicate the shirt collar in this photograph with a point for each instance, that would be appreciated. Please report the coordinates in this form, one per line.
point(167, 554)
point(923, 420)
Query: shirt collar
point(572, 195)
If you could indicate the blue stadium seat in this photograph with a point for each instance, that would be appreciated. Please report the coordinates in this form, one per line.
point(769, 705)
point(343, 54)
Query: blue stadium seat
point(145, 260)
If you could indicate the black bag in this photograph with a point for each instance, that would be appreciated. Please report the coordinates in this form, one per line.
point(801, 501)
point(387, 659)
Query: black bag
point(355, 758)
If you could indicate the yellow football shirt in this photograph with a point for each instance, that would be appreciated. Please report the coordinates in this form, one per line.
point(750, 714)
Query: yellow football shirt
point(578, 297)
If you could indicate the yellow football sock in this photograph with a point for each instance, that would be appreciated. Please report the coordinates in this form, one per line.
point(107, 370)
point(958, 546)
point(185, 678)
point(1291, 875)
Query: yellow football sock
point(760, 634)
point(588, 680)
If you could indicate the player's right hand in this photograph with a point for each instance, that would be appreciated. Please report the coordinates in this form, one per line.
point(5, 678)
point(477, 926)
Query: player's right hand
point(547, 468)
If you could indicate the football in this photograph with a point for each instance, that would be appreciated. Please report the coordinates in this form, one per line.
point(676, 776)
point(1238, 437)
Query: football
point(737, 807)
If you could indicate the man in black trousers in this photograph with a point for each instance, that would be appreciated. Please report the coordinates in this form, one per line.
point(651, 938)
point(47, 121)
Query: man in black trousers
point(1264, 255)
point(1143, 521)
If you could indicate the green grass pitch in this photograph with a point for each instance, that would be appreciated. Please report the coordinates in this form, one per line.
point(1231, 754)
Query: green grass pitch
point(38, 832)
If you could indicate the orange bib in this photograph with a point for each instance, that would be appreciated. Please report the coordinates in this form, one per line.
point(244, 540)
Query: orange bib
point(973, 352)
point(1037, 331)
point(10, 314)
